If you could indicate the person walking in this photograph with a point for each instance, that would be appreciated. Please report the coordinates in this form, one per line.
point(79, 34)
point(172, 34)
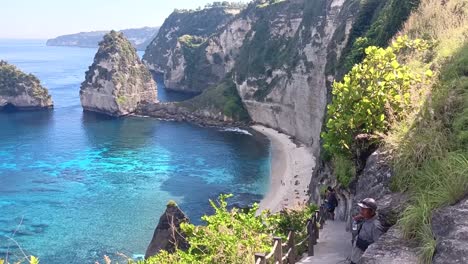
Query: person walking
point(368, 229)
point(332, 202)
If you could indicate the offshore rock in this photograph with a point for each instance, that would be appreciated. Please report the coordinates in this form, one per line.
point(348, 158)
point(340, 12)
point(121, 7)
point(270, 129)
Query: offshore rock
point(117, 82)
point(450, 227)
point(168, 235)
point(21, 91)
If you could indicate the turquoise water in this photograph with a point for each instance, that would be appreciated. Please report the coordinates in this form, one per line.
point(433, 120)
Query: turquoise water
point(77, 186)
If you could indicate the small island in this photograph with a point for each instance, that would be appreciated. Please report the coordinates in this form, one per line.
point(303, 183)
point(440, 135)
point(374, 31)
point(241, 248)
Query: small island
point(21, 91)
point(117, 82)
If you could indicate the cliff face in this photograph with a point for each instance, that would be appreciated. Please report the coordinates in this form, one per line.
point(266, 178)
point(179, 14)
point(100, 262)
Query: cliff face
point(117, 82)
point(20, 90)
point(281, 68)
point(277, 54)
point(170, 51)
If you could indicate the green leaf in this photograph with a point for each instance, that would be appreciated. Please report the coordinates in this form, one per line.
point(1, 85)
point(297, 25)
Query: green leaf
point(34, 260)
point(429, 73)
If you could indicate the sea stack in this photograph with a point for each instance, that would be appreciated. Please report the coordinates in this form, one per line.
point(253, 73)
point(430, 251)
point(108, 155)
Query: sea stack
point(21, 91)
point(168, 235)
point(117, 82)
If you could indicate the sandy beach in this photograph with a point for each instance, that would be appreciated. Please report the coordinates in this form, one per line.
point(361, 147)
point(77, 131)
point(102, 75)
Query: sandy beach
point(291, 172)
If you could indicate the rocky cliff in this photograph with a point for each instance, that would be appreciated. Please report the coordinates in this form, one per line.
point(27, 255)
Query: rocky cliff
point(20, 90)
point(171, 52)
point(277, 52)
point(117, 82)
point(139, 37)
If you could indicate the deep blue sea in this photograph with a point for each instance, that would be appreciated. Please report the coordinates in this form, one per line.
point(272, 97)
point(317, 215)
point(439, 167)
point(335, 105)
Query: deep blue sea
point(77, 186)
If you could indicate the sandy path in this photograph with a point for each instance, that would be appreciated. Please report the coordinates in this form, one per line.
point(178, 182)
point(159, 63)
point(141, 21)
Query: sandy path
point(291, 172)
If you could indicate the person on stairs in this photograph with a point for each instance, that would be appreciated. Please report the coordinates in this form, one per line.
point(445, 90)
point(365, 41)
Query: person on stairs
point(368, 228)
point(332, 202)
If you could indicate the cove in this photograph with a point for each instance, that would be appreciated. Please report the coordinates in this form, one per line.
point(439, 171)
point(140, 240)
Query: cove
point(77, 186)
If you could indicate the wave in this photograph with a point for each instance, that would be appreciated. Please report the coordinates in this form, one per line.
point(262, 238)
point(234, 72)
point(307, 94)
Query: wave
point(236, 130)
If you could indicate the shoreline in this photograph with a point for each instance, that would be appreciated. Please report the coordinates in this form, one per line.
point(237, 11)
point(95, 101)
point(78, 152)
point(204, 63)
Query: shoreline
point(290, 172)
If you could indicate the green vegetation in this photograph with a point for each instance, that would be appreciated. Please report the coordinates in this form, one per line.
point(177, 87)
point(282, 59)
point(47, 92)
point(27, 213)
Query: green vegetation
point(344, 169)
point(230, 235)
point(221, 98)
point(432, 160)
point(430, 146)
point(234, 236)
point(29, 260)
point(371, 96)
point(193, 51)
point(423, 124)
point(14, 82)
point(376, 23)
point(261, 53)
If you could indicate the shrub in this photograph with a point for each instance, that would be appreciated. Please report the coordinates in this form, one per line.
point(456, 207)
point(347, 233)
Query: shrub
point(375, 93)
point(344, 169)
point(234, 236)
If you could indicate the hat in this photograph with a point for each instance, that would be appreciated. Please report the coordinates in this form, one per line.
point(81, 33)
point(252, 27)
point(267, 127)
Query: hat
point(368, 203)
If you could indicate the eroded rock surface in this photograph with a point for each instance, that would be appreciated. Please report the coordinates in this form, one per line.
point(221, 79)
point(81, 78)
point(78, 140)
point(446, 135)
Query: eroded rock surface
point(391, 248)
point(117, 82)
point(168, 235)
point(450, 228)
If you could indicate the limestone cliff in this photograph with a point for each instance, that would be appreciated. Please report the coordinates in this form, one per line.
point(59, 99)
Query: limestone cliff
point(20, 90)
point(277, 52)
point(170, 51)
point(117, 82)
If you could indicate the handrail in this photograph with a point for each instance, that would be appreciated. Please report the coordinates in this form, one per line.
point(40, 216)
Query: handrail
point(313, 226)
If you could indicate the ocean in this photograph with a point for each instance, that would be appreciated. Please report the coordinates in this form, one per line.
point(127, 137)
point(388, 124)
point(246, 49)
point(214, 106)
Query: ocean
point(76, 186)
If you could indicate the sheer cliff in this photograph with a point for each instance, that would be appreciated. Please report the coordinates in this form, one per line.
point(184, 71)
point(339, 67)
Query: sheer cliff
point(275, 52)
point(184, 28)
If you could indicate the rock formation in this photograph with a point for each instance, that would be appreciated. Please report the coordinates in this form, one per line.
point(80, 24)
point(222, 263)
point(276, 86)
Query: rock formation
point(20, 90)
point(277, 53)
point(167, 235)
point(173, 53)
point(450, 227)
point(391, 248)
point(217, 106)
point(117, 82)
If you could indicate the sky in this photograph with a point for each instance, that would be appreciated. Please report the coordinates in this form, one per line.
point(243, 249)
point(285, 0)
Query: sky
point(43, 19)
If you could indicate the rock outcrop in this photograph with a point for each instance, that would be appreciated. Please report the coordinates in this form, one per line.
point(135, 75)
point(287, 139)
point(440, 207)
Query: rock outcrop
point(171, 52)
point(219, 105)
point(391, 248)
point(168, 235)
point(21, 91)
point(450, 228)
point(117, 82)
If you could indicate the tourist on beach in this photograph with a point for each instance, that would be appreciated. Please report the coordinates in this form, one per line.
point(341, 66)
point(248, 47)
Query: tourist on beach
point(368, 228)
point(332, 202)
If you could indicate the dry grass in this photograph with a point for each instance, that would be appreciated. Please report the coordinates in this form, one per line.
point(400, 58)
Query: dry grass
point(429, 156)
